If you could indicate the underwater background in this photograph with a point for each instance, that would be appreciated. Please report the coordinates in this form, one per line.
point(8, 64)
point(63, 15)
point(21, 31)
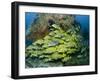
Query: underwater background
point(83, 20)
point(74, 27)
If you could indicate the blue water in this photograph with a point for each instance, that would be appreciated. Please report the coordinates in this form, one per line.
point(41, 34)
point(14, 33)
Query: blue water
point(83, 20)
point(29, 19)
